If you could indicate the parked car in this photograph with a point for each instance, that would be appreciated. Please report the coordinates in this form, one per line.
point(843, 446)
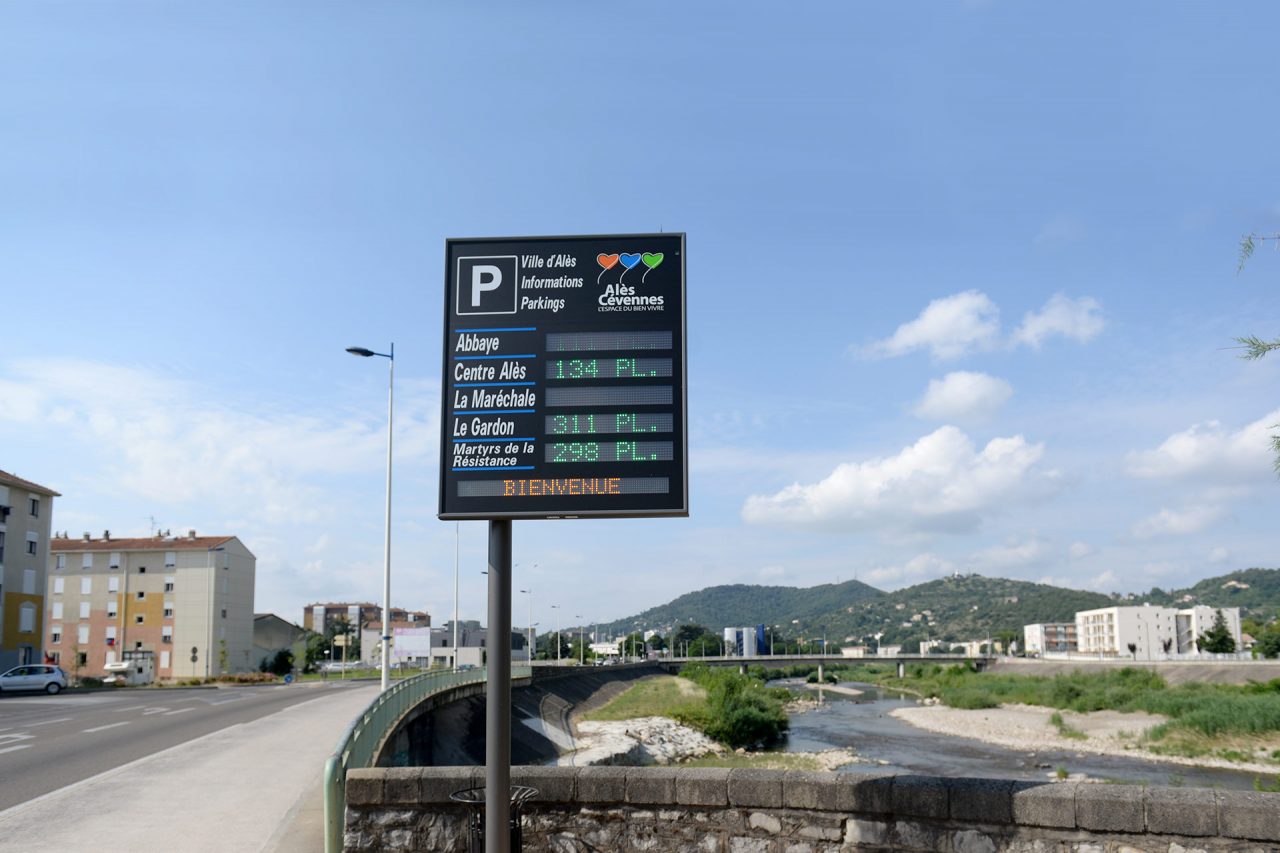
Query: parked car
point(50, 679)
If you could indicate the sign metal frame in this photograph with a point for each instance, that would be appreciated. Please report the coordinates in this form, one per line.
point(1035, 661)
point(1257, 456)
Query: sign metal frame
point(680, 431)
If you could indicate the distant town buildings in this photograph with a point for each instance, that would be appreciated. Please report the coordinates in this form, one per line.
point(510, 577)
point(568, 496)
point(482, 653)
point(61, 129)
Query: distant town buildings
point(1049, 637)
point(317, 617)
point(745, 642)
point(26, 512)
point(1139, 633)
point(184, 602)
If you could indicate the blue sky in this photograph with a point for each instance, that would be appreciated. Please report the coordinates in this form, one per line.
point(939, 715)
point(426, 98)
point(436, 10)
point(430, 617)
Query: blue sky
point(961, 279)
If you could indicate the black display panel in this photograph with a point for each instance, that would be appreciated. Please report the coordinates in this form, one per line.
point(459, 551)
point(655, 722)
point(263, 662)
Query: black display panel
point(564, 378)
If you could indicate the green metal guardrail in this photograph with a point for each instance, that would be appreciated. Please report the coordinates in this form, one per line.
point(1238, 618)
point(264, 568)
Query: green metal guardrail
point(359, 743)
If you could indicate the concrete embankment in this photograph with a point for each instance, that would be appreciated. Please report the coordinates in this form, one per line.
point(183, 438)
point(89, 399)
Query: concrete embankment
point(1173, 672)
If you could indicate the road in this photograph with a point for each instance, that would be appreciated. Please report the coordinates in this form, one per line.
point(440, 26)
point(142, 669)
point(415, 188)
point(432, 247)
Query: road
point(49, 742)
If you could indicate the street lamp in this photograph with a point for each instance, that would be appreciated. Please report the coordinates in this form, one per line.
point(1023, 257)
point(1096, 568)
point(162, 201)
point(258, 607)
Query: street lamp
point(556, 608)
point(529, 630)
point(582, 642)
point(386, 549)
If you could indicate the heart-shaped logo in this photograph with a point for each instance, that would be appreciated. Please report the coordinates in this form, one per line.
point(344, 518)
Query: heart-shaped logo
point(629, 260)
point(652, 259)
point(607, 261)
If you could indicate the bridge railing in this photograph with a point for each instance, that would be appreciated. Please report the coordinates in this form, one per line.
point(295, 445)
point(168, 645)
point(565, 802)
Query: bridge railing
point(358, 746)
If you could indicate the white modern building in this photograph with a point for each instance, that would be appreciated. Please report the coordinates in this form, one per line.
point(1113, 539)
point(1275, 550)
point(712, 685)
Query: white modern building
point(1147, 632)
point(742, 642)
point(1049, 637)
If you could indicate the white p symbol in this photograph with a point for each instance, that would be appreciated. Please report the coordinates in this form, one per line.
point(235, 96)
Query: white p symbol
point(480, 285)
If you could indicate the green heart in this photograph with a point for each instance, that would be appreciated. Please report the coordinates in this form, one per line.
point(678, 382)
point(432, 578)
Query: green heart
point(651, 259)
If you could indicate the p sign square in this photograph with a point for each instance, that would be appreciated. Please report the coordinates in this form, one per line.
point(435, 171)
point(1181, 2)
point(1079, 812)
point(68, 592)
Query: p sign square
point(487, 285)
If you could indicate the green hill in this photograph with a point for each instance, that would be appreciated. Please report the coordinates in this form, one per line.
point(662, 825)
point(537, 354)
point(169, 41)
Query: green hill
point(1255, 591)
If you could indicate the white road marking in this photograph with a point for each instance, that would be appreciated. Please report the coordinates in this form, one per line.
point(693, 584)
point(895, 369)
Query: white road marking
point(109, 726)
point(179, 711)
point(49, 722)
point(127, 708)
point(15, 748)
point(151, 711)
point(16, 736)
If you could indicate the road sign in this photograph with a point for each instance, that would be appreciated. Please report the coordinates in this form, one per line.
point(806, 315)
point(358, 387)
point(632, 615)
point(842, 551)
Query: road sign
point(564, 378)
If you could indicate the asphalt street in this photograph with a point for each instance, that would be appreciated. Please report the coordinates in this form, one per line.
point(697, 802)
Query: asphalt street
point(49, 742)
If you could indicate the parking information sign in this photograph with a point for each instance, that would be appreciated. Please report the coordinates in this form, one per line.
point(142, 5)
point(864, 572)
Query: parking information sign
point(564, 378)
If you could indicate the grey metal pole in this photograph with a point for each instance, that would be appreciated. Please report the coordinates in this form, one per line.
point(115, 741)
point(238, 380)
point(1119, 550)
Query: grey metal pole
point(497, 724)
point(386, 548)
point(457, 544)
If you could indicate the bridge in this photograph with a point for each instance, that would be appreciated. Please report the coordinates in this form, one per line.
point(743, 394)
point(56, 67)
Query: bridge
point(673, 664)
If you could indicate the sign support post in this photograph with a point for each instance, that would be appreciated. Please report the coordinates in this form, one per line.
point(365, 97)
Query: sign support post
point(497, 722)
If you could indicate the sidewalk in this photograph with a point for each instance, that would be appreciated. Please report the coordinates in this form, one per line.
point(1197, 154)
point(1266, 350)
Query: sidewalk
point(250, 787)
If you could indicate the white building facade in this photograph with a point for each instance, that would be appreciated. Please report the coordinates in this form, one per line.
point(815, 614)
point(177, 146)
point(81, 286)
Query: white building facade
point(1147, 632)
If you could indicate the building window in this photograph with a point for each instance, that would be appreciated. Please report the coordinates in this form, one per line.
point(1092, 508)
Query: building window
point(86, 586)
point(28, 581)
point(164, 660)
point(114, 562)
point(111, 635)
point(84, 610)
point(113, 584)
point(34, 506)
point(55, 634)
point(82, 659)
point(86, 561)
point(27, 618)
point(60, 562)
point(224, 613)
point(1, 546)
point(168, 613)
point(111, 609)
point(168, 584)
point(166, 638)
point(82, 637)
point(142, 570)
point(139, 619)
point(141, 596)
point(170, 559)
point(56, 657)
point(31, 547)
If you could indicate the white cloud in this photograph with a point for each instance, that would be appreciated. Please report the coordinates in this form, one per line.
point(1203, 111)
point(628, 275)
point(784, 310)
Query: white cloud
point(963, 395)
point(1210, 452)
point(940, 483)
point(913, 571)
point(1169, 522)
point(1012, 554)
point(1060, 231)
point(1080, 319)
point(1080, 550)
point(167, 440)
point(949, 327)
point(1219, 555)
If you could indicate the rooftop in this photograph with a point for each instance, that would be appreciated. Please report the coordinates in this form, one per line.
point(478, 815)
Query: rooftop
point(8, 479)
point(190, 542)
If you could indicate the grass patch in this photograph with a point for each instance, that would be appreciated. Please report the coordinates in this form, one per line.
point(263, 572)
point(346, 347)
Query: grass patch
point(662, 696)
point(1065, 729)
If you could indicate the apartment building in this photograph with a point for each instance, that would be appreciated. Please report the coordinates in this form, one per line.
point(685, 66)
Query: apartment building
point(184, 601)
point(1049, 637)
point(315, 617)
point(26, 511)
point(1153, 632)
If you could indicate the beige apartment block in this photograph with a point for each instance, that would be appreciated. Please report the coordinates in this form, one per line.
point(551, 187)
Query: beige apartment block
point(185, 601)
point(26, 509)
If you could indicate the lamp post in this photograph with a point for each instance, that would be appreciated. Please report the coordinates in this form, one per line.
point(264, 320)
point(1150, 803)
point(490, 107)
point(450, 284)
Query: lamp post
point(582, 642)
point(529, 630)
point(457, 527)
point(386, 548)
point(556, 608)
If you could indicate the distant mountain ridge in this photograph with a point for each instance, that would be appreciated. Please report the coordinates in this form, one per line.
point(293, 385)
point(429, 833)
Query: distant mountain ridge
point(953, 608)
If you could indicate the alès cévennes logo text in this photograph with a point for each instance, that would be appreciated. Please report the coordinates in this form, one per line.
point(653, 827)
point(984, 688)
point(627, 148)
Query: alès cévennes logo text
point(620, 296)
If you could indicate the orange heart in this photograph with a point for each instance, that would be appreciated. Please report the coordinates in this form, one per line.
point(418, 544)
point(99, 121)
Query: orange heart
point(607, 261)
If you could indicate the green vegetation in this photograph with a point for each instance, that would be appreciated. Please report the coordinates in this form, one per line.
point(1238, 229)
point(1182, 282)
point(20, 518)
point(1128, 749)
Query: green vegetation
point(739, 710)
point(1228, 721)
point(1218, 639)
point(1064, 729)
point(665, 696)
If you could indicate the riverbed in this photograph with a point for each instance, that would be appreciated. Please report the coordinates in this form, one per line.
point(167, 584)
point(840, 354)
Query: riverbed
point(864, 724)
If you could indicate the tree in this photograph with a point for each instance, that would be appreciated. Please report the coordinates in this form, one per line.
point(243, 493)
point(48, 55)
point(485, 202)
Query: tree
point(1268, 645)
point(279, 664)
point(1133, 650)
point(1167, 645)
point(317, 648)
point(1255, 347)
point(1218, 640)
point(688, 633)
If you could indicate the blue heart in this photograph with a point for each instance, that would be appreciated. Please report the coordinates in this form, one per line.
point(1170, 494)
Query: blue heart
point(628, 260)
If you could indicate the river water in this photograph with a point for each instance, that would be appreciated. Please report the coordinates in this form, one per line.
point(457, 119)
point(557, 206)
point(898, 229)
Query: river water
point(863, 723)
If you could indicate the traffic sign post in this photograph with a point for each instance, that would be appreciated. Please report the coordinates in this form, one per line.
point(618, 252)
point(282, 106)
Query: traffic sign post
point(563, 397)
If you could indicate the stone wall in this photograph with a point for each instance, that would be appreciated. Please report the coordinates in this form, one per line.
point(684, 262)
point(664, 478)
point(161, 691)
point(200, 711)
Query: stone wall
point(765, 811)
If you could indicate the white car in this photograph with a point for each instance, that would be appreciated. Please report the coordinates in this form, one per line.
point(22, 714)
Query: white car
point(50, 679)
